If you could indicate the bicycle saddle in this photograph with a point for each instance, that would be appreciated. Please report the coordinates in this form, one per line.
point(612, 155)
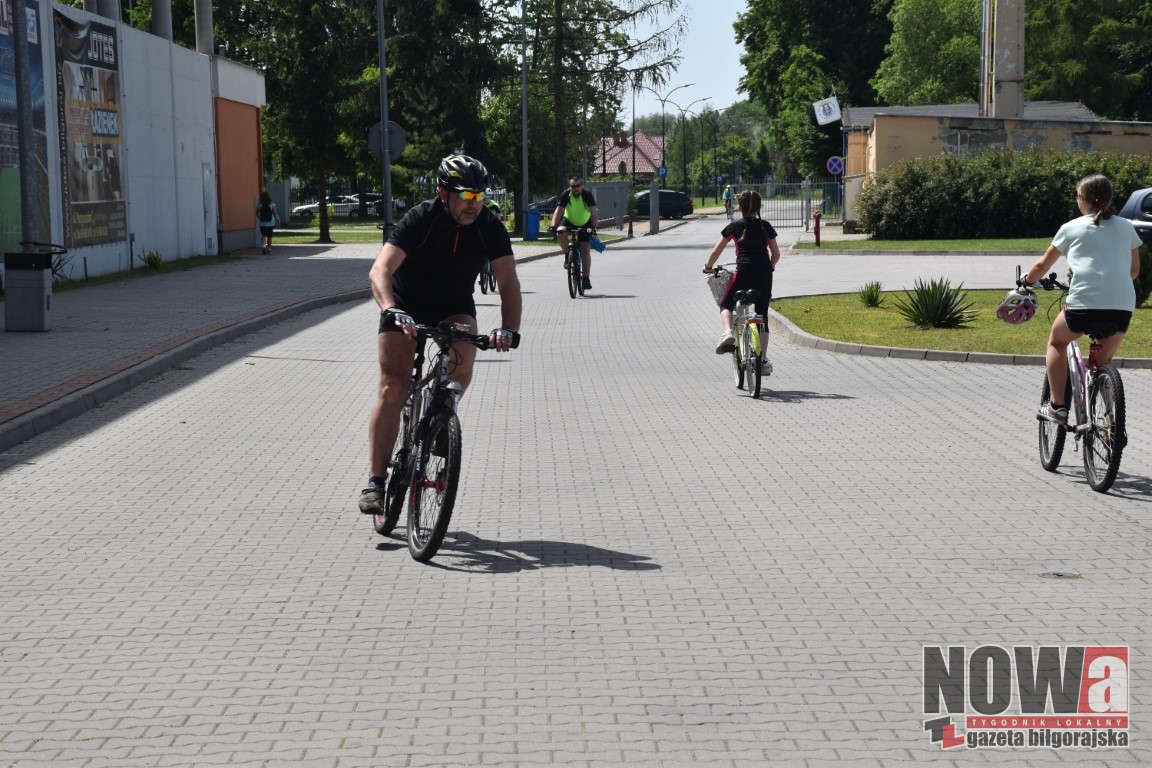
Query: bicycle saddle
point(749, 294)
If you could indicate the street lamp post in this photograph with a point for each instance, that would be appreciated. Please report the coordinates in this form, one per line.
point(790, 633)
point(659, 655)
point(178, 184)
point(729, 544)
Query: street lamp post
point(715, 115)
point(684, 141)
point(663, 117)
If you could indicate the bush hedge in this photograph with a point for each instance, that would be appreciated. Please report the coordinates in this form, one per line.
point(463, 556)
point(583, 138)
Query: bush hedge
point(993, 194)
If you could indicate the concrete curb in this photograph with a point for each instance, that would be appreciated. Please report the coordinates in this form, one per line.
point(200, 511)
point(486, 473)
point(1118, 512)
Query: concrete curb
point(781, 325)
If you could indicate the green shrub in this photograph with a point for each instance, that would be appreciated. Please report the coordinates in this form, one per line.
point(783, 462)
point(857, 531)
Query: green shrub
point(991, 194)
point(936, 305)
point(153, 259)
point(869, 294)
point(1143, 280)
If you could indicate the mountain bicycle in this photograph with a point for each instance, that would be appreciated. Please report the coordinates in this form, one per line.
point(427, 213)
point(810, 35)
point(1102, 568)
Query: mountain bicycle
point(487, 278)
point(573, 261)
point(751, 334)
point(425, 469)
point(728, 208)
point(1094, 394)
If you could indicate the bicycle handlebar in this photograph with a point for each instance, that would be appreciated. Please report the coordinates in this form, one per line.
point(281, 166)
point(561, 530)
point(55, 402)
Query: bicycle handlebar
point(1049, 283)
point(446, 333)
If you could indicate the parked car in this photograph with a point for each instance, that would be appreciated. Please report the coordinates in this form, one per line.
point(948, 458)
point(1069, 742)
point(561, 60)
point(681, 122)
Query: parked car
point(545, 207)
point(375, 202)
point(342, 206)
point(673, 204)
point(1139, 210)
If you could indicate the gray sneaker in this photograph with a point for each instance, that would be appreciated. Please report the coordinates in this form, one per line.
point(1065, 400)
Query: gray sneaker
point(766, 367)
point(372, 500)
point(727, 343)
point(1055, 415)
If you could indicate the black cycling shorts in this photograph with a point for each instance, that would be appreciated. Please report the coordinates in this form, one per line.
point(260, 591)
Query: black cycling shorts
point(581, 236)
point(1097, 323)
point(431, 316)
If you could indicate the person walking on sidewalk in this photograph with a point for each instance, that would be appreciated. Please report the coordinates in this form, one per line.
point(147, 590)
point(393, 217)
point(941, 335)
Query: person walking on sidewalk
point(756, 257)
point(268, 219)
point(1103, 252)
point(576, 207)
point(426, 274)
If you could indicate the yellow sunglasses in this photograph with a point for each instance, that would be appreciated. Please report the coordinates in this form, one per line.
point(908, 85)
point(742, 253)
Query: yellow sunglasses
point(471, 195)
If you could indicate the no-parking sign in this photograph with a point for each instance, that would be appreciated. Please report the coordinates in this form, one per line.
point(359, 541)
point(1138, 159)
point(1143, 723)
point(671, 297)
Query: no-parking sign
point(835, 165)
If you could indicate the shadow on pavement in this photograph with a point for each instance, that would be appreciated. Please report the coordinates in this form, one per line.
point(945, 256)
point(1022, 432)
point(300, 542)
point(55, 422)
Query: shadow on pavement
point(470, 553)
point(798, 396)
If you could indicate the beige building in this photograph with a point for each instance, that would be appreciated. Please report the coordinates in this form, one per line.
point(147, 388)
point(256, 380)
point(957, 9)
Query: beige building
point(878, 137)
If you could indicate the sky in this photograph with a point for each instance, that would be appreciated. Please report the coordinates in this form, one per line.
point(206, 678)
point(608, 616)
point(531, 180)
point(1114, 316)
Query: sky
point(711, 60)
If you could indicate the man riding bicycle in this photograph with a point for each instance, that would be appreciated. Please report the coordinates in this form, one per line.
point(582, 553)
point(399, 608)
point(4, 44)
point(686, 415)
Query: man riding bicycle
point(426, 274)
point(576, 207)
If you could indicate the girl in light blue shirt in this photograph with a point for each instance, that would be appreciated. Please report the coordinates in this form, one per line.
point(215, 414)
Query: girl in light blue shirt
point(1103, 252)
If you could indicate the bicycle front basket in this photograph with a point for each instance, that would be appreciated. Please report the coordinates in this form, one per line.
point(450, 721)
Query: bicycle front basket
point(718, 283)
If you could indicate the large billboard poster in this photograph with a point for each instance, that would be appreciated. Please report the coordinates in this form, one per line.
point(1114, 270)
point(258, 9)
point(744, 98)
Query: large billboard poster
point(88, 92)
point(11, 223)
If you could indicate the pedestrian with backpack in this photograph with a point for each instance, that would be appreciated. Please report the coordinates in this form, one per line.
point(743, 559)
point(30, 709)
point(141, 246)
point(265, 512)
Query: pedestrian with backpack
point(267, 218)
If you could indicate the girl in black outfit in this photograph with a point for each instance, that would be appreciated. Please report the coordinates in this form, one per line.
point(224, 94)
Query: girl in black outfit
point(756, 257)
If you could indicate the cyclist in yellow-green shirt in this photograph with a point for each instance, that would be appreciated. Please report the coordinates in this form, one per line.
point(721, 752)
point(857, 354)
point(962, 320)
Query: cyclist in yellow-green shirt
point(576, 207)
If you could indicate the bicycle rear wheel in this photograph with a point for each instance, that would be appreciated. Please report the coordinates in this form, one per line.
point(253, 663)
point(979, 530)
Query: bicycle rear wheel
point(750, 340)
point(1052, 435)
point(434, 479)
point(1105, 439)
point(395, 491)
point(755, 359)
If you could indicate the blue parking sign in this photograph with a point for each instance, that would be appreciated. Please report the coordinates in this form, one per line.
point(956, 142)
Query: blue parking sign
point(662, 171)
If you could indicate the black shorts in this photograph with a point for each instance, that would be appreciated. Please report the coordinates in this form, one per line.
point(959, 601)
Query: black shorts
point(744, 278)
point(581, 237)
point(1097, 323)
point(431, 315)
point(266, 231)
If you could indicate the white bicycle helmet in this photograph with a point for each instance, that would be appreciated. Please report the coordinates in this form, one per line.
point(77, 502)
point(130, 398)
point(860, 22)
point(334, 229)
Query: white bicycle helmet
point(1018, 306)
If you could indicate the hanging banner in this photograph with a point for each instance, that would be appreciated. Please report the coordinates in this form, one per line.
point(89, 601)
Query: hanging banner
point(88, 94)
point(827, 110)
point(11, 205)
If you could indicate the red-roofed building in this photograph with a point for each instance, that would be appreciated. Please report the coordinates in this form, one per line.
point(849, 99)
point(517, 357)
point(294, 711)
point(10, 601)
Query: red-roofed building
point(616, 156)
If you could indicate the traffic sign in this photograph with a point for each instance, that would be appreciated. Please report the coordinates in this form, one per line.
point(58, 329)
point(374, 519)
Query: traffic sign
point(396, 141)
point(719, 179)
point(662, 171)
point(835, 165)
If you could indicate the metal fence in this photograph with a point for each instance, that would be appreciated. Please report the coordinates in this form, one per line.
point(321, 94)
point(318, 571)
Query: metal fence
point(791, 203)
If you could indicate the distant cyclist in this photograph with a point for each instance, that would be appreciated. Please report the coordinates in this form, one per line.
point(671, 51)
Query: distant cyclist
point(425, 274)
point(1103, 252)
point(728, 200)
point(576, 207)
point(756, 257)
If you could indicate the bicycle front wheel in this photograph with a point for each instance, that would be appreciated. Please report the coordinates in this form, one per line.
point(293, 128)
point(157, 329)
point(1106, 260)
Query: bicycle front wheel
point(491, 280)
point(573, 276)
point(483, 281)
point(1105, 439)
point(434, 480)
point(1051, 434)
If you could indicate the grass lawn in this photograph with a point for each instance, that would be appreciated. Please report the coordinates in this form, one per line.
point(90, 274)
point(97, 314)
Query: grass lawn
point(1035, 245)
point(842, 317)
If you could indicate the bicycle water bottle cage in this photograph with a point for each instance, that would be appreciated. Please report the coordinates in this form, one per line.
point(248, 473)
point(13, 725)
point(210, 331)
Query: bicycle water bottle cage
point(749, 294)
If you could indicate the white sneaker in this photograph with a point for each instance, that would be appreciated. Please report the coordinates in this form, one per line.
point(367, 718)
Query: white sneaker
point(727, 343)
point(766, 367)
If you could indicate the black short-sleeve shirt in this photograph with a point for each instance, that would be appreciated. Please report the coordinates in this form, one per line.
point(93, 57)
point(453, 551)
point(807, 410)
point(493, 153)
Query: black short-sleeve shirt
point(442, 258)
point(751, 237)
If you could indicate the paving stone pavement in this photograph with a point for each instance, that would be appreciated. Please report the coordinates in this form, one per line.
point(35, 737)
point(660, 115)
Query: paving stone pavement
point(646, 567)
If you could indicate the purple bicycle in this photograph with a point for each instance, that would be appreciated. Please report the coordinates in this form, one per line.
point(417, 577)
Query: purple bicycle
point(1095, 397)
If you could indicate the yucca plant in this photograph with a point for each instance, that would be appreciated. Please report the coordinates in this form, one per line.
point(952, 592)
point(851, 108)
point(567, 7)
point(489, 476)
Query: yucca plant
point(869, 294)
point(936, 305)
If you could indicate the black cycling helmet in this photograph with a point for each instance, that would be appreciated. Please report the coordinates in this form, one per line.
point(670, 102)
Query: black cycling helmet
point(462, 172)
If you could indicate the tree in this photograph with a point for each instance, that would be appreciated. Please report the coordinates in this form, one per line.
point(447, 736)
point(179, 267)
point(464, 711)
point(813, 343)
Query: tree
point(933, 56)
point(798, 53)
point(1090, 51)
